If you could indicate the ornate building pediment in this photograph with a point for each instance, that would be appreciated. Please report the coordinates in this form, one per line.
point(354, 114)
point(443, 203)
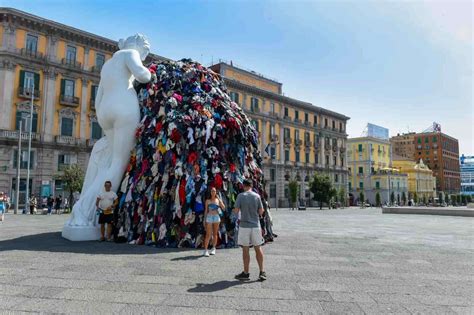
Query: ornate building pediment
point(25, 106)
point(68, 113)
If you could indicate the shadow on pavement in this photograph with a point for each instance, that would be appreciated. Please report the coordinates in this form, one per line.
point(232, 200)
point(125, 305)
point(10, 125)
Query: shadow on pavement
point(217, 286)
point(194, 257)
point(53, 242)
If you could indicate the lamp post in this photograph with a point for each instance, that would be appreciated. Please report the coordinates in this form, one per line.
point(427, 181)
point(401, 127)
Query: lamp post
point(27, 203)
point(18, 165)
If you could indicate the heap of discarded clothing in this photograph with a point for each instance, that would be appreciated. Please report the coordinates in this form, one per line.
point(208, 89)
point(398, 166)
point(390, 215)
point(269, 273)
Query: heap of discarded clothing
point(191, 137)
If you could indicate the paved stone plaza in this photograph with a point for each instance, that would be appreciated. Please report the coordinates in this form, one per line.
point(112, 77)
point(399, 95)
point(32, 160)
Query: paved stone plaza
point(334, 262)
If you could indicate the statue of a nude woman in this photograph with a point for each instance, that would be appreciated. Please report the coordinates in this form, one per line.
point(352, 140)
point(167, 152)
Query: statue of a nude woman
point(118, 114)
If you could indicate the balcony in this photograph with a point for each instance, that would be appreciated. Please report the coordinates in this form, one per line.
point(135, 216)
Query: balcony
point(287, 140)
point(65, 140)
point(327, 147)
point(273, 138)
point(315, 125)
point(71, 63)
point(306, 123)
point(13, 134)
point(32, 54)
point(92, 103)
point(289, 163)
point(24, 92)
point(334, 148)
point(91, 142)
point(255, 110)
point(316, 145)
point(69, 100)
point(96, 69)
point(342, 149)
point(298, 142)
point(274, 115)
point(308, 143)
point(297, 120)
point(287, 118)
point(63, 166)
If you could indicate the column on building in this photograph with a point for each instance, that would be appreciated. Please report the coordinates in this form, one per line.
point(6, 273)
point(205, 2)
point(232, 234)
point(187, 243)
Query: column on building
point(7, 79)
point(322, 151)
point(86, 58)
point(49, 102)
point(51, 47)
point(264, 138)
point(83, 117)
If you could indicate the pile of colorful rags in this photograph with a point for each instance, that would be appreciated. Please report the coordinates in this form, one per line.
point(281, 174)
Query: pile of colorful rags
point(191, 137)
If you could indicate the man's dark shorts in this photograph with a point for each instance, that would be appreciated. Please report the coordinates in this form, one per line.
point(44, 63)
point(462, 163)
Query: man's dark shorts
point(106, 218)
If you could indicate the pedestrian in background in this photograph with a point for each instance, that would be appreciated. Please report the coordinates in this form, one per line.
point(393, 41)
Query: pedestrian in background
point(50, 204)
point(57, 205)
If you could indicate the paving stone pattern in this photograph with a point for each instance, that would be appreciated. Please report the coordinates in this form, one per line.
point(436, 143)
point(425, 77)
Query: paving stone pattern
point(349, 261)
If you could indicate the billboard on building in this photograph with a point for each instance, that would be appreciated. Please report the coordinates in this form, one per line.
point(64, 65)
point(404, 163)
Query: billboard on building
point(377, 131)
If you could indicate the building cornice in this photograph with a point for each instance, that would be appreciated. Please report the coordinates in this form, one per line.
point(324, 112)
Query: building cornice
point(283, 99)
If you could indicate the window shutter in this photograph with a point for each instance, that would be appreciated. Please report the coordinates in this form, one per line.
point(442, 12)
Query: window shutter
point(37, 81)
point(63, 85)
point(22, 78)
point(34, 126)
point(18, 118)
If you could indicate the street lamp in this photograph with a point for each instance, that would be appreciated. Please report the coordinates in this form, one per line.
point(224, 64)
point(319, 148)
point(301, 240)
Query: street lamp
point(30, 126)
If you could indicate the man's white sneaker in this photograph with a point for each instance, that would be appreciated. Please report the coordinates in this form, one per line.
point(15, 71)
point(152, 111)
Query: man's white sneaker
point(206, 253)
point(213, 251)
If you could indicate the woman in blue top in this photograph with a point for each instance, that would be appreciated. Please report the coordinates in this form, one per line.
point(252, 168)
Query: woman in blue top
point(212, 219)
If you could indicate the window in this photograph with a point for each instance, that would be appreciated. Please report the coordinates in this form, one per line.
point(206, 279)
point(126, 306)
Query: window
point(99, 60)
point(340, 126)
point(297, 114)
point(272, 152)
point(234, 97)
point(306, 157)
point(273, 191)
point(255, 125)
point(327, 160)
point(96, 130)
point(306, 136)
point(286, 112)
point(286, 133)
point(70, 54)
point(24, 117)
point(297, 155)
point(419, 140)
point(333, 124)
point(325, 122)
point(377, 185)
point(435, 139)
point(297, 134)
point(31, 43)
point(23, 159)
point(336, 178)
point(342, 161)
point(67, 126)
point(94, 89)
point(360, 147)
point(361, 170)
point(28, 80)
point(287, 155)
point(350, 186)
point(316, 158)
point(334, 160)
point(272, 129)
point(286, 191)
point(254, 104)
point(67, 87)
point(315, 117)
point(306, 117)
point(427, 140)
point(272, 107)
point(272, 174)
point(361, 185)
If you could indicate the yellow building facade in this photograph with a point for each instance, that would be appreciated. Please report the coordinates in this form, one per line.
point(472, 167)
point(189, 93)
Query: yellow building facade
point(59, 67)
point(370, 171)
point(297, 138)
point(420, 178)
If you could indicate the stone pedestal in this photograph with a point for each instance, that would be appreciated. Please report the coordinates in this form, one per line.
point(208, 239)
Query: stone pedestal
point(81, 233)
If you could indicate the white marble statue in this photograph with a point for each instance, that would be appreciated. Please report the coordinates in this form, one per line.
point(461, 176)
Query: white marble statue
point(118, 114)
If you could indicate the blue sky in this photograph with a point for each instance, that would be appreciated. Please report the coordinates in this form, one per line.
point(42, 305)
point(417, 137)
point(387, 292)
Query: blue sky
point(399, 64)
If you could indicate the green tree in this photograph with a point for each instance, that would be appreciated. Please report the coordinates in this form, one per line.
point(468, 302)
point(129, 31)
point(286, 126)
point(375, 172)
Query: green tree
point(463, 200)
point(322, 189)
point(404, 198)
point(415, 198)
point(392, 198)
point(424, 200)
point(458, 199)
point(451, 198)
point(362, 199)
point(342, 197)
point(468, 198)
point(73, 178)
point(293, 191)
point(378, 201)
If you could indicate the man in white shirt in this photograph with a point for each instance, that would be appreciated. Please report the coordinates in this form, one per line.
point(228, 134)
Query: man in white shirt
point(105, 203)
